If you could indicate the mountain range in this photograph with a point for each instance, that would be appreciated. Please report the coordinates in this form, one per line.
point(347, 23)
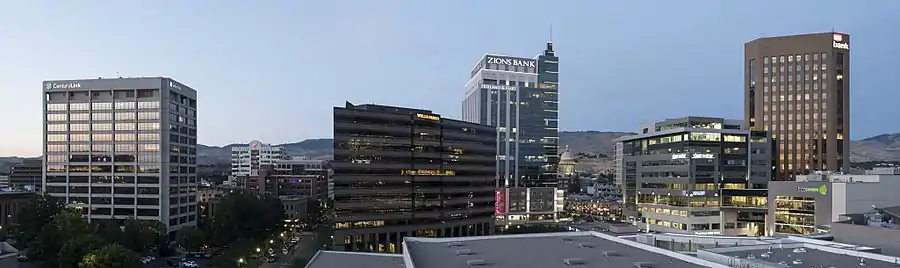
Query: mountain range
point(593, 148)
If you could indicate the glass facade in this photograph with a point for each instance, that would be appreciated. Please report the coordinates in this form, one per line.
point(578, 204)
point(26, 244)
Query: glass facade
point(404, 172)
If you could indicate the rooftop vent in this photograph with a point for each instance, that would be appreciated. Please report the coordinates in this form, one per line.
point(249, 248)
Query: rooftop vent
point(573, 261)
point(612, 253)
point(567, 239)
point(476, 263)
point(643, 264)
point(454, 244)
point(586, 245)
point(464, 252)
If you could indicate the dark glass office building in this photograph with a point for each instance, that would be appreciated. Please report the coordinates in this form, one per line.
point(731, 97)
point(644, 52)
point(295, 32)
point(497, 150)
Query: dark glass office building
point(407, 172)
point(519, 96)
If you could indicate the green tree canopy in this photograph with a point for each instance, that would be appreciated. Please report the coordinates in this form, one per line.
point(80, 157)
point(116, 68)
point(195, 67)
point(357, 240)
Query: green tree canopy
point(74, 250)
point(190, 238)
point(111, 256)
point(35, 214)
point(233, 214)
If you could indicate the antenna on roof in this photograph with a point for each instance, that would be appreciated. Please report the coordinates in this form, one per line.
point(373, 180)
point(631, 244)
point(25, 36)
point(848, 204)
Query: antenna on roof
point(551, 33)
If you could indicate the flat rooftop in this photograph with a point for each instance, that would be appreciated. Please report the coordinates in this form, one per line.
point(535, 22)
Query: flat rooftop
point(809, 257)
point(548, 250)
point(337, 259)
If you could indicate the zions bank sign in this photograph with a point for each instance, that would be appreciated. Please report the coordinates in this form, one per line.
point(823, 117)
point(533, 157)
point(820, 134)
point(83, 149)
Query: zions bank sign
point(512, 62)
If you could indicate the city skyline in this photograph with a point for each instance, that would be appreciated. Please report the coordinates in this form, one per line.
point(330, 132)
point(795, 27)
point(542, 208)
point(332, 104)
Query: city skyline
point(277, 51)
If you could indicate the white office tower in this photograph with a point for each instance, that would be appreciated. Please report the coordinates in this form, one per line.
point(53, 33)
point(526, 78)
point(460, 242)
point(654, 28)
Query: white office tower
point(123, 147)
point(245, 160)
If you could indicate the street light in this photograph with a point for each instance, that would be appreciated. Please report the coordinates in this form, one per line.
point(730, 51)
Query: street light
point(271, 241)
point(258, 250)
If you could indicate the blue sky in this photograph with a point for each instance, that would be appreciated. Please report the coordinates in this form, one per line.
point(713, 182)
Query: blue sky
point(271, 70)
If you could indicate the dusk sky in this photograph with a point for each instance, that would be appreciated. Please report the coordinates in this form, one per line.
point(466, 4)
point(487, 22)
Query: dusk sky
point(272, 70)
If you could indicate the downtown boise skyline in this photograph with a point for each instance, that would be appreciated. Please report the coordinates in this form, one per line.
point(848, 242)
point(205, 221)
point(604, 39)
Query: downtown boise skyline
point(374, 57)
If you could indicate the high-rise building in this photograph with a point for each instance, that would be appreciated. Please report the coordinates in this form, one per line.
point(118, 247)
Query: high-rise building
point(798, 88)
point(518, 96)
point(246, 160)
point(675, 169)
point(120, 148)
point(401, 172)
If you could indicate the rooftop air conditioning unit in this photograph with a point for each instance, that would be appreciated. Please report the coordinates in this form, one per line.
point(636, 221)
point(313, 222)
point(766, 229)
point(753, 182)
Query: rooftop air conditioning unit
point(454, 244)
point(586, 245)
point(476, 263)
point(643, 264)
point(573, 261)
point(464, 252)
point(612, 253)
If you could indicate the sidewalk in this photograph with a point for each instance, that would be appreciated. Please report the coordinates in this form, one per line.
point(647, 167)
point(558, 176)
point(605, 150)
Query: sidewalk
point(297, 251)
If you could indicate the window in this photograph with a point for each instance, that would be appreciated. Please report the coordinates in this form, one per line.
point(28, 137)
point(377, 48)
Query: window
point(56, 148)
point(56, 117)
point(124, 105)
point(124, 136)
point(101, 127)
point(148, 126)
point(124, 126)
point(79, 106)
point(124, 116)
point(56, 107)
point(97, 106)
point(148, 105)
point(56, 137)
point(56, 127)
point(101, 137)
point(148, 137)
point(79, 117)
point(79, 137)
point(101, 116)
point(148, 116)
point(148, 147)
point(125, 147)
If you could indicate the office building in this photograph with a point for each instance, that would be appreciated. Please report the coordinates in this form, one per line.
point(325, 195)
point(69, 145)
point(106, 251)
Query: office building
point(246, 160)
point(545, 250)
point(528, 205)
point(879, 227)
point(402, 172)
point(812, 202)
point(798, 88)
point(11, 203)
point(674, 169)
point(27, 175)
point(295, 177)
point(124, 147)
point(518, 96)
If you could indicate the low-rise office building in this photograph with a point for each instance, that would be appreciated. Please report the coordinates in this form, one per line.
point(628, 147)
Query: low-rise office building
point(403, 172)
point(877, 228)
point(27, 175)
point(814, 201)
point(531, 205)
point(11, 204)
point(673, 171)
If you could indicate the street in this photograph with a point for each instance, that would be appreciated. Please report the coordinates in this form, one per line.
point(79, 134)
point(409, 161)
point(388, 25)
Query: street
point(306, 240)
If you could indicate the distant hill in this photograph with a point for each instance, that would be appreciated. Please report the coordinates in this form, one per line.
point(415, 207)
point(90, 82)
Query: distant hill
point(597, 148)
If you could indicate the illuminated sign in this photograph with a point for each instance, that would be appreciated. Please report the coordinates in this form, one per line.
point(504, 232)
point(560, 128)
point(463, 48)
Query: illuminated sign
point(174, 85)
point(838, 37)
point(838, 42)
point(840, 45)
point(427, 172)
point(698, 193)
point(62, 86)
point(500, 202)
point(513, 62)
point(708, 233)
point(500, 87)
point(821, 189)
point(693, 156)
point(428, 117)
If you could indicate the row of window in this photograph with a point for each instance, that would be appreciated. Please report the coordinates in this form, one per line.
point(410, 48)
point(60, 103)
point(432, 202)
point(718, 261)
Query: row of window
point(118, 179)
point(103, 116)
point(104, 158)
point(128, 189)
point(103, 137)
point(101, 147)
point(100, 106)
point(104, 168)
point(798, 58)
point(102, 127)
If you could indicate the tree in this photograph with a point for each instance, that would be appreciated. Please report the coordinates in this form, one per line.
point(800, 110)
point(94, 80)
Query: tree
point(75, 249)
point(233, 210)
point(111, 256)
point(190, 238)
point(34, 215)
point(140, 235)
